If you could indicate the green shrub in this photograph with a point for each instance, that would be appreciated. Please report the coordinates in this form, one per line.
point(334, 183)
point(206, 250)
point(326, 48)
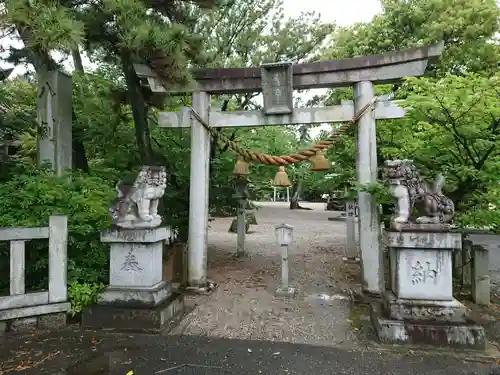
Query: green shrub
point(485, 214)
point(30, 198)
point(82, 295)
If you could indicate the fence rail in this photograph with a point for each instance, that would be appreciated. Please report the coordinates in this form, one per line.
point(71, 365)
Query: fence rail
point(20, 304)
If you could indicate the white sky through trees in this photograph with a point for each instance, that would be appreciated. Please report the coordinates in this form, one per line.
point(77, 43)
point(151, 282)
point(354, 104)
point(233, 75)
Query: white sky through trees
point(342, 12)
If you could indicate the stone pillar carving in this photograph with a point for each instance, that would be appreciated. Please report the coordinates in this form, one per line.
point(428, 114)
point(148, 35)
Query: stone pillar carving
point(54, 112)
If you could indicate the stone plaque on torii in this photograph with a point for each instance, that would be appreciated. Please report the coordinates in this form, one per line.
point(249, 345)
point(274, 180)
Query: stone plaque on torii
point(277, 88)
point(277, 82)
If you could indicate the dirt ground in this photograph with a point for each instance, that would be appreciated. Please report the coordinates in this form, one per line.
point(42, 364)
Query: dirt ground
point(244, 305)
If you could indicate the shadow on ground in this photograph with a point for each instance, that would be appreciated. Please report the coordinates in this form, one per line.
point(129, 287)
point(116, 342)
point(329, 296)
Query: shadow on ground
point(78, 352)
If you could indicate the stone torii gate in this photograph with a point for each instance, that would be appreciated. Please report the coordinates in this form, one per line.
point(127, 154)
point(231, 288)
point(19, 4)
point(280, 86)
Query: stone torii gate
point(277, 82)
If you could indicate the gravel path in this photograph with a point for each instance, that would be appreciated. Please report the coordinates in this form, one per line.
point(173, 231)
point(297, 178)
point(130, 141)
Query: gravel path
point(244, 306)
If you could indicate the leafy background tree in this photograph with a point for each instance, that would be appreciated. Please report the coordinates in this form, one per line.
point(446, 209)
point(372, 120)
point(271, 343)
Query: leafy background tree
point(451, 127)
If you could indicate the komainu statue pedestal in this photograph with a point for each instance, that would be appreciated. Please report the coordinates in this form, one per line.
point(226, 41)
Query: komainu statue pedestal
point(420, 308)
point(137, 297)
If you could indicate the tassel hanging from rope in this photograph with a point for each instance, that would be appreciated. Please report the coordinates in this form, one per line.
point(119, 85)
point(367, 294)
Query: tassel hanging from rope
point(281, 178)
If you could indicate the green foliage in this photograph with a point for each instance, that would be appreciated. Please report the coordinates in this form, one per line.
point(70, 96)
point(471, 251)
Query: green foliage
point(454, 125)
point(50, 25)
point(17, 124)
point(34, 196)
point(382, 197)
point(17, 106)
point(451, 127)
point(379, 191)
point(82, 295)
point(485, 214)
point(251, 33)
point(468, 28)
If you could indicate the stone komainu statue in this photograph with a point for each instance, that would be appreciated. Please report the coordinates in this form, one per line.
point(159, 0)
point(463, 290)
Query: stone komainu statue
point(409, 191)
point(136, 206)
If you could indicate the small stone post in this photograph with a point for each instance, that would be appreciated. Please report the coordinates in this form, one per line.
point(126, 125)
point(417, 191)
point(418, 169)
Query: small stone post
point(284, 237)
point(480, 275)
point(55, 115)
point(58, 258)
point(351, 246)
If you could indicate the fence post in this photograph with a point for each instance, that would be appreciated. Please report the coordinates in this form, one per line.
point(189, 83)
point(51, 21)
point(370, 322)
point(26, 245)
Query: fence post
point(17, 265)
point(58, 258)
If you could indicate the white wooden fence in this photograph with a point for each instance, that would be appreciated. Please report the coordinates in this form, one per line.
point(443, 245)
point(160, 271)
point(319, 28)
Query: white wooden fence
point(20, 304)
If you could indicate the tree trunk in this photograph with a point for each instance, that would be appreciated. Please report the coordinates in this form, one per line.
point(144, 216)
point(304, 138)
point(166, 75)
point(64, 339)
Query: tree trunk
point(80, 160)
point(214, 142)
point(294, 199)
point(77, 60)
point(299, 179)
point(139, 110)
point(296, 190)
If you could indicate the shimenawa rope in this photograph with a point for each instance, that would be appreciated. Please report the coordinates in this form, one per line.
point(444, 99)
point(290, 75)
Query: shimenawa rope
point(297, 157)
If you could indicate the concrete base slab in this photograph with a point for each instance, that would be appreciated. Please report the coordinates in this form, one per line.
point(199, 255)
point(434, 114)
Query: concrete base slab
point(136, 296)
point(153, 319)
point(459, 335)
point(33, 311)
point(52, 321)
point(285, 292)
point(421, 310)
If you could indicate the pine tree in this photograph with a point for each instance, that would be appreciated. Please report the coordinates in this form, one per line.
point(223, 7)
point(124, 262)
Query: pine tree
point(123, 32)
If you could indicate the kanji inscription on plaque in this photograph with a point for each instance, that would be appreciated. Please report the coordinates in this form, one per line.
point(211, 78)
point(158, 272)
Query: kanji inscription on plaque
point(277, 88)
point(131, 263)
point(421, 273)
point(351, 208)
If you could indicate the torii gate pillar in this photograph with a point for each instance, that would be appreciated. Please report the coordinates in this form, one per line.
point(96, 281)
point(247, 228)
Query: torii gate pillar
point(199, 192)
point(372, 267)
